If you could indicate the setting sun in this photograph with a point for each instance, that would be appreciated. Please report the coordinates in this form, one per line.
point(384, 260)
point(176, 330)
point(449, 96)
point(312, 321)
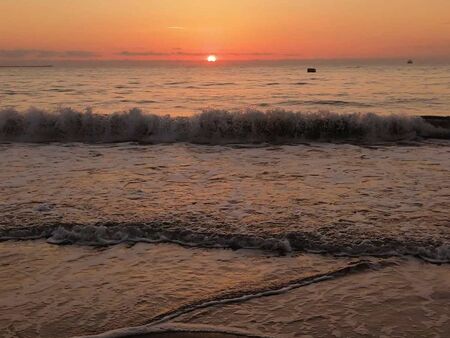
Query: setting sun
point(211, 58)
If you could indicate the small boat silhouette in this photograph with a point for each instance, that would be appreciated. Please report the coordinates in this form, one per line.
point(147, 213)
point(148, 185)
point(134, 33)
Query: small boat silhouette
point(410, 62)
point(312, 70)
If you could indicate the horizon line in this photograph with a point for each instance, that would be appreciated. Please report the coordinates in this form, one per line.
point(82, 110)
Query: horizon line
point(50, 62)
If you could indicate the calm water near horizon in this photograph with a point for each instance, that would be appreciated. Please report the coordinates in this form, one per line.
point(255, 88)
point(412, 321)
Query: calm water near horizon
point(385, 88)
point(265, 225)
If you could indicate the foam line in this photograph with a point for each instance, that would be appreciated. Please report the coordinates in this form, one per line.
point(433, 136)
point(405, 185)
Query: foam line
point(112, 233)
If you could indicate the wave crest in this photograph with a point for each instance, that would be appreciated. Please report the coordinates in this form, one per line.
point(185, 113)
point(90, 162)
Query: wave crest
point(114, 233)
point(212, 126)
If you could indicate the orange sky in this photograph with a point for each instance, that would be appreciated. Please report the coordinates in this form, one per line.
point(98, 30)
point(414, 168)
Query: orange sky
point(232, 29)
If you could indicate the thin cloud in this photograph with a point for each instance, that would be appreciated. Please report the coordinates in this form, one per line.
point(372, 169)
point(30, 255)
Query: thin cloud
point(80, 53)
point(153, 53)
point(180, 52)
point(292, 54)
point(44, 54)
point(247, 54)
point(127, 53)
point(176, 27)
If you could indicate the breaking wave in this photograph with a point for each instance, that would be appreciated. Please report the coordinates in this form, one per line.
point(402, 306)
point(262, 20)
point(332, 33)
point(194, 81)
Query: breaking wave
point(107, 234)
point(213, 127)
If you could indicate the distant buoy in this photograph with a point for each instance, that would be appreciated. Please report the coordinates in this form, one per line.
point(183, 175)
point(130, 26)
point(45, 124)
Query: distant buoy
point(312, 70)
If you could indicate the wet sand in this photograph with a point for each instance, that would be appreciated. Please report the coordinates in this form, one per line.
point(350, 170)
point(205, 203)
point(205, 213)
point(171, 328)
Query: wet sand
point(189, 335)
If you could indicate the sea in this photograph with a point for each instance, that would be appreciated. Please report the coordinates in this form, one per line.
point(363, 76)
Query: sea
point(225, 200)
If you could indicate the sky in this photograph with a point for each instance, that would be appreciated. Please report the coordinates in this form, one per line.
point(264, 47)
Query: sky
point(230, 29)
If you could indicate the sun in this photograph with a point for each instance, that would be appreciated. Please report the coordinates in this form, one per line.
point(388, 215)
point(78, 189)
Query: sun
point(211, 58)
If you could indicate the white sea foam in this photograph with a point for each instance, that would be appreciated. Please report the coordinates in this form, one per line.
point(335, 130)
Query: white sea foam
point(112, 234)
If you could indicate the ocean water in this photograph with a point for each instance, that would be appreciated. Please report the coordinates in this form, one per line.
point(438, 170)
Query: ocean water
point(250, 200)
point(180, 89)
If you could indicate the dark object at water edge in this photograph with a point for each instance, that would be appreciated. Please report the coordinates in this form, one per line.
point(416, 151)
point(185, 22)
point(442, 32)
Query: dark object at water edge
point(410, 62)
point(312, 70)
point(438, 121)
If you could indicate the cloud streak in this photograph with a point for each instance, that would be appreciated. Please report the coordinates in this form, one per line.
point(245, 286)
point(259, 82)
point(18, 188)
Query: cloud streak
point(153, 53)
point(247, 54)
point(45, 54)
point(146, 53)
point(179, 52)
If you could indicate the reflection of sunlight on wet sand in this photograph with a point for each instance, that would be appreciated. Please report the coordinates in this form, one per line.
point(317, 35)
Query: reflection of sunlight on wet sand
point(181, 330)
point(188, 334)
point(142, 281)
point(408, 299)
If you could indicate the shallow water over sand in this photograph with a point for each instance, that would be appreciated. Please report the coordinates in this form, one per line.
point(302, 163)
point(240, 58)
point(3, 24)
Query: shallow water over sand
point(377, 200)
point(43, 286)
point(54, 291)
point(405, 300)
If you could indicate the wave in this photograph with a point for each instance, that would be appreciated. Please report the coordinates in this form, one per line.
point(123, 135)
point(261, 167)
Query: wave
point(212, 126)
point(431, 249)
point(339, 103)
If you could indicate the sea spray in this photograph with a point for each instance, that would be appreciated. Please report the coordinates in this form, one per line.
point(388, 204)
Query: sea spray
point(210, 127)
